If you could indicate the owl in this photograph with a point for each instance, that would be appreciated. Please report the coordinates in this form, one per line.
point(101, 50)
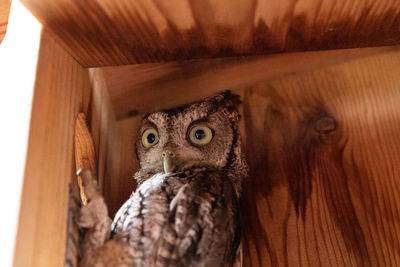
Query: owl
point(184, 211)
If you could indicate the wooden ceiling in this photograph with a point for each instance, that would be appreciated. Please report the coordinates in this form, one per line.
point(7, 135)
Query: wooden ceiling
point(4, 11)
point(102, 32)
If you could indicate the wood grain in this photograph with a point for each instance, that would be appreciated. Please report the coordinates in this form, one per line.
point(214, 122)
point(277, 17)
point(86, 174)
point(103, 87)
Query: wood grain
point(103, 33)
point(114, 145)
point(4, 13)
point(60, 93)
point(323, 145)
point(122, 164)
point(166, 85)
point(16, 60)
point(323, 149)
point(101, 120)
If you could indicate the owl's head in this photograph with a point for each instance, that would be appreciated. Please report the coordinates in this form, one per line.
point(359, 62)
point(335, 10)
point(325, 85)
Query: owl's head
point(201, 135)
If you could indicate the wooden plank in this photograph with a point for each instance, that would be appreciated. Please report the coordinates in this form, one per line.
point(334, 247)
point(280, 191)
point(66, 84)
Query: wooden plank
point(16, 60)
point(103, 33)
point(102, 123)
point(324, 150)
point(4, 12)
point(165, 85)
point(60, 93)
point(122, 164)
point(114, 145)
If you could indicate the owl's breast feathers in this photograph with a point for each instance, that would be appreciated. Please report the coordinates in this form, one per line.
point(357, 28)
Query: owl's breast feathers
point(184, 219)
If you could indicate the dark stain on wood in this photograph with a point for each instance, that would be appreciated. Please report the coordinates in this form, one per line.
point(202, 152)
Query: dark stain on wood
point(96, 38)
point(302, 136)
point(133, 113)
point(298, 143)
point(340, 206)
point(253, 186)
point(347, 33)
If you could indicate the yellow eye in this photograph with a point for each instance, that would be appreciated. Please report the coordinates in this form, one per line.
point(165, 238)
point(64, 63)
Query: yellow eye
point(150, 137)
point(200, 135)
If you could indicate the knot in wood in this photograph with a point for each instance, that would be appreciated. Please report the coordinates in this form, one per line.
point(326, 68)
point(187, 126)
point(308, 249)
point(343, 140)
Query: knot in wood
point(133, 112)
point(325, 125)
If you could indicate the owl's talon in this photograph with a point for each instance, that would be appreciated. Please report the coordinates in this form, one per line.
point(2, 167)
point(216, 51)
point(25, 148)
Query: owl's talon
point(94, 213)
point(85, 221)
point(89, 184)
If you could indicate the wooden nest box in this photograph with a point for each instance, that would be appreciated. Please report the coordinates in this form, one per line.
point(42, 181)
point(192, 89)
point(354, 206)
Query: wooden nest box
point(320, 84)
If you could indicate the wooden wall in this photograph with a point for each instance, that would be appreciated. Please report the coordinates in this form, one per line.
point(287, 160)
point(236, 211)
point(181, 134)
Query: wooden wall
point(121, 164)
point(61, 91)
point(165, 85)
point(324, 152)
point(4, 12)
point(322, 145)
point(16, 60)
point(323, 149)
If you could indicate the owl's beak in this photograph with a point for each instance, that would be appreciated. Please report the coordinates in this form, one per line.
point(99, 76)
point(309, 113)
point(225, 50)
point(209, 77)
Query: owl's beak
point(168, 162)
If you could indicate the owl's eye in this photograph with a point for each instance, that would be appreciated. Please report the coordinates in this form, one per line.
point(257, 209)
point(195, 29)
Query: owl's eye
point(150, 137)
point(200, 135)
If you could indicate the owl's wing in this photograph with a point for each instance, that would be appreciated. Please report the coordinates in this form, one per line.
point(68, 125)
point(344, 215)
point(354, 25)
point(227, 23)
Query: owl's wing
point(192, 213)
point(201, 220)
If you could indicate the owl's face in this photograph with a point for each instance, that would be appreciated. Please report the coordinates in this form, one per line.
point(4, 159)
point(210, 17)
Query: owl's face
point(203, 134)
